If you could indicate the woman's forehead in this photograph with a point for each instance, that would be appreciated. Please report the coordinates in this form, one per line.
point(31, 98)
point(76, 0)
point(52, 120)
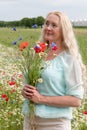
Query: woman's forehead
point(53, 18)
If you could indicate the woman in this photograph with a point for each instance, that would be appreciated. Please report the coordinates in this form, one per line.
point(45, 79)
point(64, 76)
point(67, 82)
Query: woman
point(62, 86)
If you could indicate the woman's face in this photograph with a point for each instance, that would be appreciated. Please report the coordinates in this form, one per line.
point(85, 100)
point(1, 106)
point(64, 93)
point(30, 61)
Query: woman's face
point(52, 29)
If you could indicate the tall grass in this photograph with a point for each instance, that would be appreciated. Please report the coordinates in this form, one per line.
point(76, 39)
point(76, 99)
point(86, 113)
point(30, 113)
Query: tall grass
point(81, 35)
point(8, 35)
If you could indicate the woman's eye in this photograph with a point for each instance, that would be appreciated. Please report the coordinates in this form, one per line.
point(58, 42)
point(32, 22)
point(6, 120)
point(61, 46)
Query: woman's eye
point(54, 25)
point(47, 24)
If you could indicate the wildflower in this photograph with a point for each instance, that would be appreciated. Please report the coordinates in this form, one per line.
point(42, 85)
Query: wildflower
point(23, 45)
point(6, 99)
point(40, 80)
point(41, 47)
point(53, 46)
point(37, 48)
point(85, 112)
point(14, 43)
point(14, 29)
point(20, 38)
point(12, 83)
point(4, 96)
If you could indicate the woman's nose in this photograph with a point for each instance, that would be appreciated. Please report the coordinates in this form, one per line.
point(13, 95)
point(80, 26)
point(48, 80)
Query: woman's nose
point(49, 26)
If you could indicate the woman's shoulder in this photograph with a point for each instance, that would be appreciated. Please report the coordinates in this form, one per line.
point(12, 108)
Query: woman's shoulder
point(67, 58)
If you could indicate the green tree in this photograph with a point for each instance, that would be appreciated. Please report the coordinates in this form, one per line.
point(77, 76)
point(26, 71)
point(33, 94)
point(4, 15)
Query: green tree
point(40, 21)
point(26, 22)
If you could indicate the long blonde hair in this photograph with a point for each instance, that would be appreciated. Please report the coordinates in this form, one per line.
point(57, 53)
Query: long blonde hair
point(69, 40)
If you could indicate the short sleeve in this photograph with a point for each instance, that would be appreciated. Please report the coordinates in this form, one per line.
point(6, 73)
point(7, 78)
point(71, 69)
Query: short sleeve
point(73, 78)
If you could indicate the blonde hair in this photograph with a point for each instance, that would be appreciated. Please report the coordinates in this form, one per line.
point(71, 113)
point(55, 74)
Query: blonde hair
point(69, 40)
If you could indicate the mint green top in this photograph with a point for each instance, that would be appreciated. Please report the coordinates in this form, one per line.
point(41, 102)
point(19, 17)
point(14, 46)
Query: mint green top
point(61, 76)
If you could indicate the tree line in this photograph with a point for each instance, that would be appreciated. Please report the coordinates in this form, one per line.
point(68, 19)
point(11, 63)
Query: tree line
point(25, 22)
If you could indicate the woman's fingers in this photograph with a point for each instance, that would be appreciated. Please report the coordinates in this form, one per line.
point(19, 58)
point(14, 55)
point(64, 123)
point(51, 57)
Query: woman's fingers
point(29, 86)
point(28, 91)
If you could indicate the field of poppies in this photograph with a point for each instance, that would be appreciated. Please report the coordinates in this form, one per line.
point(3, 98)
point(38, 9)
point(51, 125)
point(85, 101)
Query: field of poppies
point(10, 92)
point(11, 83)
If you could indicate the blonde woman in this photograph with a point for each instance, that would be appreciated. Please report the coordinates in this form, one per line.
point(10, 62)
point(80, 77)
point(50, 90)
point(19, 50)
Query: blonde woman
point(62, 86)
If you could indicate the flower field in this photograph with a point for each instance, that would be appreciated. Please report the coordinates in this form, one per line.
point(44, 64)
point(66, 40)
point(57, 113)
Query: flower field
point(11, 99)
point(10, 92)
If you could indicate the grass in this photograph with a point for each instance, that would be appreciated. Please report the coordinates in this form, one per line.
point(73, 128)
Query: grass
point(7, 35)
point(81, 35)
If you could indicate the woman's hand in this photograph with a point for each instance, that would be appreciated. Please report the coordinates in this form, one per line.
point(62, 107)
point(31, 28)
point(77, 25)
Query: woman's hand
point(31, 93)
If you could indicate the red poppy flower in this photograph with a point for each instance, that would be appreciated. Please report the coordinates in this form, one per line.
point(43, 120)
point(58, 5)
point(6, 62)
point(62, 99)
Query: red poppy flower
point(12, 83)
point(41, 47)
point(23, 45)
point(6, 99)
point(37, 49)
point(85, 112)
point(4, 96)
point(54, 48)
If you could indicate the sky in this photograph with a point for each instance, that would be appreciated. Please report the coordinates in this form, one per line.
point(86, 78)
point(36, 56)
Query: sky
point(11, 10)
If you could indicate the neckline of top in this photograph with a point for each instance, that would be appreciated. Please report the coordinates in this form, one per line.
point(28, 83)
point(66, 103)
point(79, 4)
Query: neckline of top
point(57, 55)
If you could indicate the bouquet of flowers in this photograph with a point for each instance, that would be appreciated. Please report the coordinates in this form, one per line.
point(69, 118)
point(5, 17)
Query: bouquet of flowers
point(31, 66)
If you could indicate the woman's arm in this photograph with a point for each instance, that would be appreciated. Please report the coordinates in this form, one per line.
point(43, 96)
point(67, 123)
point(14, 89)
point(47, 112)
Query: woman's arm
point(32, 94)
point(61, 101)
